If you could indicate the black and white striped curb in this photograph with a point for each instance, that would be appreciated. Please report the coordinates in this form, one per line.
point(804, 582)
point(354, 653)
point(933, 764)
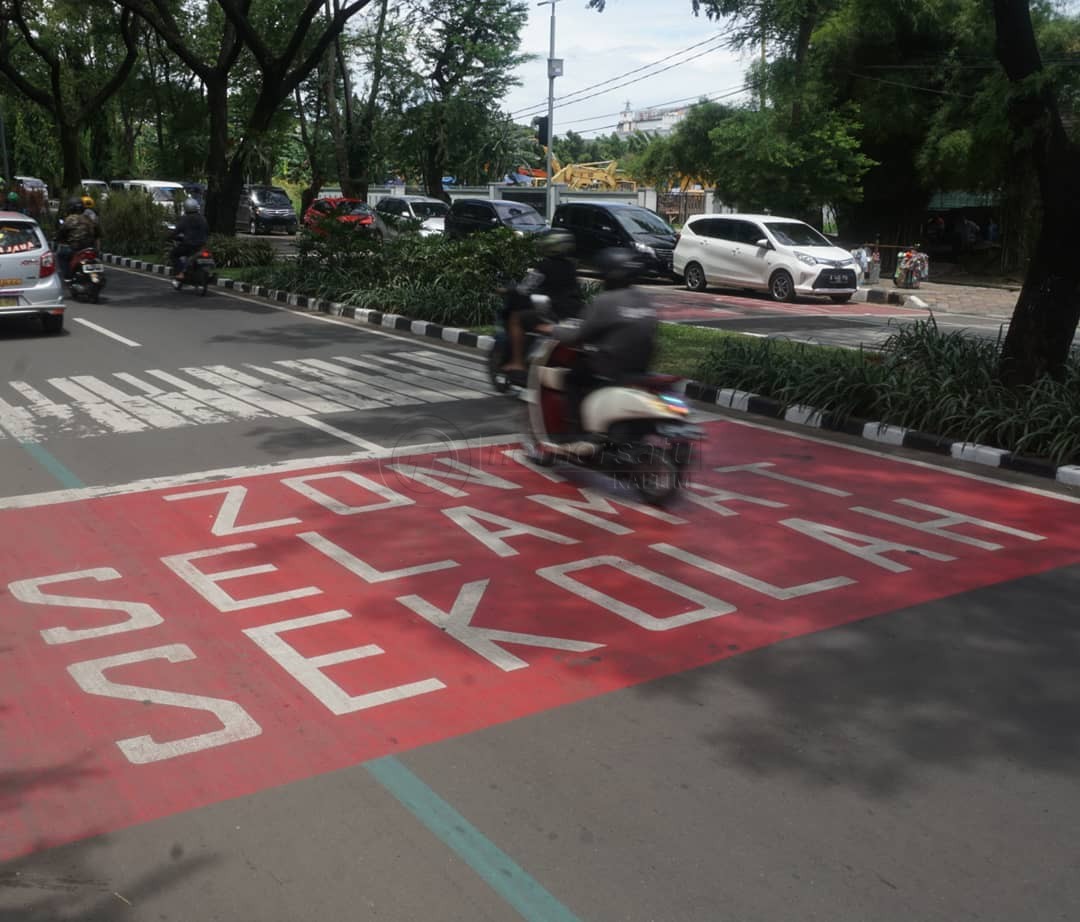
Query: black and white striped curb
point(882, 433)
point(883, 296)
point(743, 401)
point(453, 335)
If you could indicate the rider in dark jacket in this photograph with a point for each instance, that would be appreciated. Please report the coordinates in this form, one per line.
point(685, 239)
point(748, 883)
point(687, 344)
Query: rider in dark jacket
point(617, 335)
point(554, 276)
point(191, 234)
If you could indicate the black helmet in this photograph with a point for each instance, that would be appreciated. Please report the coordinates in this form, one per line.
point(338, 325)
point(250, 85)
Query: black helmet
point(75, 205)
point(617, 266)
point(555, 243)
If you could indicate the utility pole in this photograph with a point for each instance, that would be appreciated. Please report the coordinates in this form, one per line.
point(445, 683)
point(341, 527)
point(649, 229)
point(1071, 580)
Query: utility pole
point(555, 69)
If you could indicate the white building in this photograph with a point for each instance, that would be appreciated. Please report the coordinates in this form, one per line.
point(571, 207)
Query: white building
point(655, 121)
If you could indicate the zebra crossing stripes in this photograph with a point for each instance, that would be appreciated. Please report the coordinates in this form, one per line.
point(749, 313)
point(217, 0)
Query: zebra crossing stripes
point(87, 406)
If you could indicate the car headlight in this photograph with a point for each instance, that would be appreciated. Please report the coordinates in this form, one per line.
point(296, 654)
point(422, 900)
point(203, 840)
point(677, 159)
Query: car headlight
point(645, 248)
point(847, 263)
point(807, 258)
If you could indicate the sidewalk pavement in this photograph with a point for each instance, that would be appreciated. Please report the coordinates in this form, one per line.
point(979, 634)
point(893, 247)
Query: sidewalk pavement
point(958, 299)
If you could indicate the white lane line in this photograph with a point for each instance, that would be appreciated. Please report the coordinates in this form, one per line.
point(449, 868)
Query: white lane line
point(414, 382)
point(476, 366)
point(54, 497)
point(319, 387)
point(335, 376)
point(355, 382)
point(443, 370)
point(401, 337)
point(223, 403)
point(112, 418)
point(339, 433)
point(104, 332)
point(470, 372)
point(444, 380)
point(183, 404)
point(42, 404)
point(275, 405)
point(18, 422)
point(139, 407)
point(312, 403)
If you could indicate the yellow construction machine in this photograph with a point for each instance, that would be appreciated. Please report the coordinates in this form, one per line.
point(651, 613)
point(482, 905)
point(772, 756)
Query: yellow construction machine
point(602, 175)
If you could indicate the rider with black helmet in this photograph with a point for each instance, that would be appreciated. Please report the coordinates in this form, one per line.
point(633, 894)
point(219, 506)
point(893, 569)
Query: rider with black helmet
point(617, 335)
point(555, 276)
point(76, 232)
point(191, 234)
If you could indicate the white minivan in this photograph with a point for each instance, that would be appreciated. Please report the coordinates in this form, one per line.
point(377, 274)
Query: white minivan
point(785, 257)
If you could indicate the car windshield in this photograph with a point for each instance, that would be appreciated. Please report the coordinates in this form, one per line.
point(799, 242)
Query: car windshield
point(430, 209)
point(796, 234)
point(165, 195)
point(353, 208)
point(639, 221)
point(274, 198)
point(520, 216)
point(17, 238)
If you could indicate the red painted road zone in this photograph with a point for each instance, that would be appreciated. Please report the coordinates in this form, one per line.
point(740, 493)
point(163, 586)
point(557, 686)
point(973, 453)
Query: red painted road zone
point(164, 650)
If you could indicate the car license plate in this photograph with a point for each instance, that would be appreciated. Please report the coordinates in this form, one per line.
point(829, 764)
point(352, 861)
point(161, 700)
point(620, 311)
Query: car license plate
point(837, 278)
point(93, 267)
point(9, 302)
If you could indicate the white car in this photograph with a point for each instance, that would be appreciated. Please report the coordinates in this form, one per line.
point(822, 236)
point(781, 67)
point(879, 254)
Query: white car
point(29, 282)
point(785, 257)
point(430, 212)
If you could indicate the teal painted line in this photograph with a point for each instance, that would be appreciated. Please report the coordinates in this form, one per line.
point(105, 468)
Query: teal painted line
point(497, 869)
point(52, 464)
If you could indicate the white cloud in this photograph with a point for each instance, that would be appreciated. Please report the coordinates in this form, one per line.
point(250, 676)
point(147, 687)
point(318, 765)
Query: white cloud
point(596, 47)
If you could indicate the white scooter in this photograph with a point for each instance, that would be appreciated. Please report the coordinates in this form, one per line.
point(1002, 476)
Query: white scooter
point(639, 432)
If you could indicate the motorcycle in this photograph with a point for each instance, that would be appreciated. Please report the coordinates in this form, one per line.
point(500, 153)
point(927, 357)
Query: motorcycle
point(514, 299)
point(87, 275)
point(640, 431)
point(200, 271)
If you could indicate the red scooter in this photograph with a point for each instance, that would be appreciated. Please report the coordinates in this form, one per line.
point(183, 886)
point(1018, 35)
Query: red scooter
point(87, 275)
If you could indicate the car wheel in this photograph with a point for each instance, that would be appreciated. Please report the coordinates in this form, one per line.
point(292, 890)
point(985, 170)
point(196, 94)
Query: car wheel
point(695, 277)
point(782, 286)
point(253, 228)
point(839, 299)
point(53, 323)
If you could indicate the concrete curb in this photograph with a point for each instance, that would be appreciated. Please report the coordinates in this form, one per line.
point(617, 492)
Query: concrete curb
point(883, 296)
point(743, 401)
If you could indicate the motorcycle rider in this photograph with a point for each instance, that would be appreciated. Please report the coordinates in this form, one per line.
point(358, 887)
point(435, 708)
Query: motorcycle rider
point(617, 335)
point(77, 232)
point(554, 276)
point(190, 235)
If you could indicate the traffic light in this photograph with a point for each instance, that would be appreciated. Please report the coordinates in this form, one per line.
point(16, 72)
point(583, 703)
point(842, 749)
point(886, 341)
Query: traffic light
point(543, 130)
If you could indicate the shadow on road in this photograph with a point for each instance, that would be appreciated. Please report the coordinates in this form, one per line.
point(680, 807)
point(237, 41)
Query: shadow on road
point(992, 675)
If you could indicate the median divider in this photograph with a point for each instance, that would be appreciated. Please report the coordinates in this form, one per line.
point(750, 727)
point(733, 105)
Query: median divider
point(741, 401)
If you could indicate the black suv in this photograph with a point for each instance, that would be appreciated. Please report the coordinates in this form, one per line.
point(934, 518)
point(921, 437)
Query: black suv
point(471, 215)
point(600, 226)
point(262, 208)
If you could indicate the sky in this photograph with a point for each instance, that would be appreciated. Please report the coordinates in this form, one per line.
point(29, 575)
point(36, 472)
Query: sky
point(628, 35)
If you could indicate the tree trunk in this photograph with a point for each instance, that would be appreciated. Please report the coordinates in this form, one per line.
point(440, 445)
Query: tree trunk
point(435, 156)
point(220, 209)
point(1046, 315)
point(362, 146)
point(802, 49)
point(70, 144)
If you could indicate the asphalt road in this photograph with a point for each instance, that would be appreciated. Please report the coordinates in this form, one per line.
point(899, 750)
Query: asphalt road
point(780, 704)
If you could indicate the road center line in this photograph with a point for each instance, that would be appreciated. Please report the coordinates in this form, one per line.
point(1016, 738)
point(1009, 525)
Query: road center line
point(104, 332)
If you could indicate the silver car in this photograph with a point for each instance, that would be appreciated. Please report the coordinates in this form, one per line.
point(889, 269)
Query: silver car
point(29, 282)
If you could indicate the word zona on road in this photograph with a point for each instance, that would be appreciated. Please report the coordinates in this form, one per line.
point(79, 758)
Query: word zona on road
point(162, 650)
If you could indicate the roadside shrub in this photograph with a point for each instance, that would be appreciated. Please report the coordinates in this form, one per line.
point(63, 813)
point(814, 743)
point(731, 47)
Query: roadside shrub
point(237, 253)
point(940, 383)
point(131, 223)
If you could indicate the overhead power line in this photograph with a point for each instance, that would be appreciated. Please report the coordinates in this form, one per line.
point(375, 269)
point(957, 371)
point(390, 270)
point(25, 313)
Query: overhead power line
point(715, 40)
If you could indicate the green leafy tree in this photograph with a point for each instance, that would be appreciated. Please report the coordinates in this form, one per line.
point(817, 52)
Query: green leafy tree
point(50, 55)
point(468, 50)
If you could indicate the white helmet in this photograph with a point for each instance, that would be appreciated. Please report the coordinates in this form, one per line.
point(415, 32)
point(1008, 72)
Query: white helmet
point(191, 206)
